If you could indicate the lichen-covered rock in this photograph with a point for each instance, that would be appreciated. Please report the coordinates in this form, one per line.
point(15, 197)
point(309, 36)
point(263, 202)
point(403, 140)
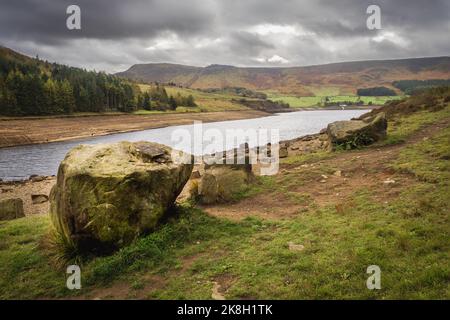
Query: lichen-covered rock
point(355, 133)
point(283, 151)
point(107, 195)
point(11, 209)
point(221, 183)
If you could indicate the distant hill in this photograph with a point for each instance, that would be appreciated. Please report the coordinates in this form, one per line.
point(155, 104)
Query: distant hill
point(327, 79)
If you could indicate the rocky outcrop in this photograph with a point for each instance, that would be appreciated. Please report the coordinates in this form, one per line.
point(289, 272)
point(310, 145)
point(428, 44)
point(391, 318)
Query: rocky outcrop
point(307, 144)
point(107, 195)
point(355, 133)
point(11, 209)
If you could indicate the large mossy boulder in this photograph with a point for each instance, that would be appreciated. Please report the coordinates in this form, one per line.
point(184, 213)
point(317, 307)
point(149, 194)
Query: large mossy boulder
point(356, 133)
point(11, 209)
point(107, 195)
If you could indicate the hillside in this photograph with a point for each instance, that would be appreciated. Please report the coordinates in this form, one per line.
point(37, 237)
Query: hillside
point(31, 87)
point(339, 78)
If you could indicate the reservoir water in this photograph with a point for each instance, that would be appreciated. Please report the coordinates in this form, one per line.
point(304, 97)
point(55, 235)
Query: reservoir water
point(43, 159)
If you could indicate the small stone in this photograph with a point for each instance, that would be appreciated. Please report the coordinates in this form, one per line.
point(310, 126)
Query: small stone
point(39, 198)
point(324, 176)
point(283, 151)
point(389, 181)
point(216, 295)
point(295, 247)
point(36, 178)
point(338, 173)
point(195, 174)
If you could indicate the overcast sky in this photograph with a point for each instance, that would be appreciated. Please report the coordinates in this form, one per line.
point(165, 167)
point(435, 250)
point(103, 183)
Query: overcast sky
point(116, 34)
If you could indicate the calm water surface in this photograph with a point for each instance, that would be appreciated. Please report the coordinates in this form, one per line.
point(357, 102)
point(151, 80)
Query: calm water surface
point(43, 159)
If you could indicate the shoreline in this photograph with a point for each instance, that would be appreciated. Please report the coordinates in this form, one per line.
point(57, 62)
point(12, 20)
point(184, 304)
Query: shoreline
point(30, 131)
point(21, 132)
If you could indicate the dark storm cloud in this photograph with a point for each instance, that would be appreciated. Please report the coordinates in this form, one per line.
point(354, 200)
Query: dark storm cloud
point(116, 34)
point(248, 44)
point(45, 20)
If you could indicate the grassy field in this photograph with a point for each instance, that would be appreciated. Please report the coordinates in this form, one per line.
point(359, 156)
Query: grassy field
point(302, 102)
point(402, 227)
point(207, 102)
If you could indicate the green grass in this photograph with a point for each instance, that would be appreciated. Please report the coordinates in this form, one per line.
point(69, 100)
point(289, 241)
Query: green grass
point(303, 102)
point(24, 263)
point(206, 102)
point(402, 127)
point(210, 102)
point(428, 160)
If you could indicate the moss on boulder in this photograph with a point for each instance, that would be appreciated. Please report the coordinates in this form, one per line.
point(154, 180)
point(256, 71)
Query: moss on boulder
point(221, 183)
point(107, 195)
point(355, 133)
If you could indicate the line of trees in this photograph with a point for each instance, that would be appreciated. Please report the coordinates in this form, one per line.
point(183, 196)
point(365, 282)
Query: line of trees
point(34, 87)
point(156, 98)
point(413, 86)
point(376, 91)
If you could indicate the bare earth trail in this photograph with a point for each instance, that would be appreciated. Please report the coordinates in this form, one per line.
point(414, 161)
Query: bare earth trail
point(41, 130)
point(367, 168)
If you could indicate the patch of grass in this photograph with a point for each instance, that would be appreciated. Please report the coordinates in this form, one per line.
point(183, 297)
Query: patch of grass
point(25, 271)
point(206, 101)
point(411, 250)
point(402, 127)
point(428, 160)
point(158, 250)
point(260, 185)
point(312, 101)
point(307, 158)
point(209, 102)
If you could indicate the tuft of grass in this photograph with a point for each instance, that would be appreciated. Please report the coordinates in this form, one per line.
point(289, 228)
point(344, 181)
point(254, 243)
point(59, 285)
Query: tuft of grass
point(62, 251)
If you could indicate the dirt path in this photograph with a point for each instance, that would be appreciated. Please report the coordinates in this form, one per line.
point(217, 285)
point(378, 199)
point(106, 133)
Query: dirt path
point(331, 181)
point(30, 131)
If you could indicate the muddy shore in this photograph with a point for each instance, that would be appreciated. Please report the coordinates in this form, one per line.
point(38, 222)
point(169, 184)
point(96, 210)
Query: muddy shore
point(16, 132)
